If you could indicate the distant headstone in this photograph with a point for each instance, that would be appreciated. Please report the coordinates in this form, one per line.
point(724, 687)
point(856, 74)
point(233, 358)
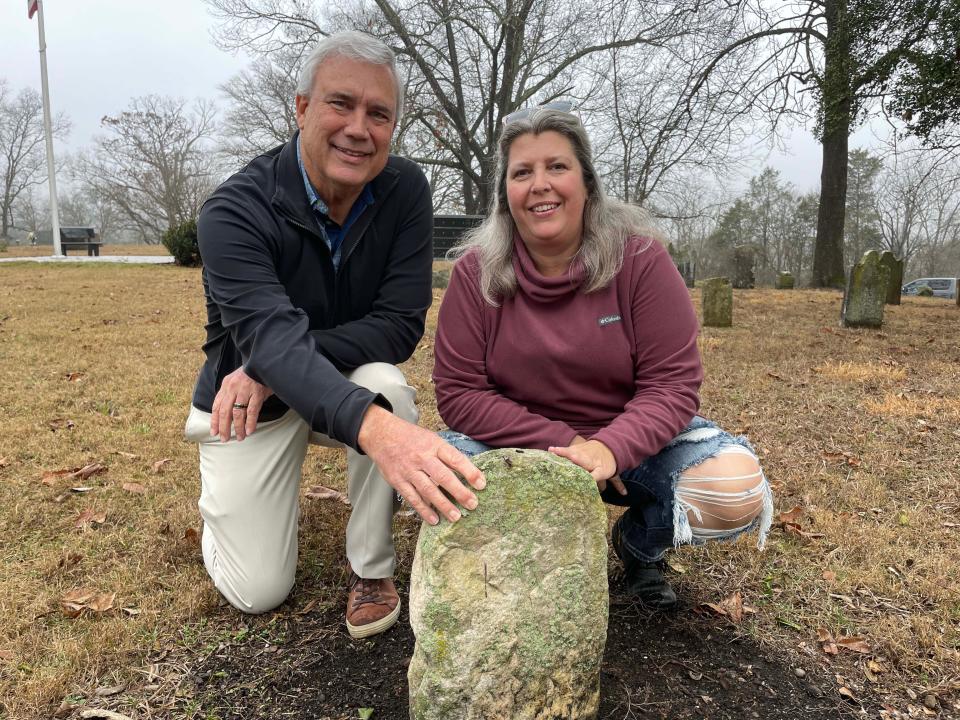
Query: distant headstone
point(744, 257)
point(441, 278)
point(895, 282)
point(509, 605)
point(686, 267)
point(866, 292)
point(717, 302)
point(785, 281)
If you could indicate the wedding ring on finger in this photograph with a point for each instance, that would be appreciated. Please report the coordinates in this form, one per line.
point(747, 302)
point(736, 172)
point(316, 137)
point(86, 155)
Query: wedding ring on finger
point(240, 406)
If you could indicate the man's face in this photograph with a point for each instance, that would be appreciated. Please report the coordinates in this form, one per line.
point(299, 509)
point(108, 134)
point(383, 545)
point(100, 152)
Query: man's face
point(346, 125)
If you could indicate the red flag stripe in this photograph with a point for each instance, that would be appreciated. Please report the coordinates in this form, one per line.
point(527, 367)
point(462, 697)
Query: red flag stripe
point(31, 8)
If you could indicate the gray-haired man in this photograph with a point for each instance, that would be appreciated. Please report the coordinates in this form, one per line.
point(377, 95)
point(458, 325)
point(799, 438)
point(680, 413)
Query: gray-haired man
point(317, 269)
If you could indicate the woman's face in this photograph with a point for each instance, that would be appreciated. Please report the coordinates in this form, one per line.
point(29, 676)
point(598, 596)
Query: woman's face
point(546, 193)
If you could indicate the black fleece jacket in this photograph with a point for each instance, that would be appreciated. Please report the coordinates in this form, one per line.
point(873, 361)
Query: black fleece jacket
point(276, 306)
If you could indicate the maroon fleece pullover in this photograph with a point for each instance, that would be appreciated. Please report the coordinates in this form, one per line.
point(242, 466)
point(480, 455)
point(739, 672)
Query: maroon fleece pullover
point(619, 365)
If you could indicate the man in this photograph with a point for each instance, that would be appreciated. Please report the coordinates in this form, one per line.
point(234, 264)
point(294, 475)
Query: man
point(317, 272)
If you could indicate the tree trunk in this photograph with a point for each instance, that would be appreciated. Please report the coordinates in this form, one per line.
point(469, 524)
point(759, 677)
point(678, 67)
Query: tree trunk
point(836, 109)
point(828, 267)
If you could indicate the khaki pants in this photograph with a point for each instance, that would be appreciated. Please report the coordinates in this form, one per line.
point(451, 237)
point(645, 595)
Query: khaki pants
point(250, 492)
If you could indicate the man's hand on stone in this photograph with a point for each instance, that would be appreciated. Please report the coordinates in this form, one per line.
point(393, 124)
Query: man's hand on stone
point(594, 457)
point(238, 403)
point(417, 464)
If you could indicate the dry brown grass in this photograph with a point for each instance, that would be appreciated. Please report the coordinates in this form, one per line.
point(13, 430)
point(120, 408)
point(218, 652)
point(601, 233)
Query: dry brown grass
point(858, 428)
point(18, 251)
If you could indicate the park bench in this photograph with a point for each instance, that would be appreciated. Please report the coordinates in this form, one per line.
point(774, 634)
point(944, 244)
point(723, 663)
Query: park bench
point(448, 230)
point(78, 238)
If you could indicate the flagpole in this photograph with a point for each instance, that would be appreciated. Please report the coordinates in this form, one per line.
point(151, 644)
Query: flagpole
point(48, 131)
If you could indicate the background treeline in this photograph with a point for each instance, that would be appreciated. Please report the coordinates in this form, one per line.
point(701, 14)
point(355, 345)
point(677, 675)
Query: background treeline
point(676, 97)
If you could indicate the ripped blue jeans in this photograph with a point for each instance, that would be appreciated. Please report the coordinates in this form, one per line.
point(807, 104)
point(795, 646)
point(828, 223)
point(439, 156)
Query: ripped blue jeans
point(656, 519)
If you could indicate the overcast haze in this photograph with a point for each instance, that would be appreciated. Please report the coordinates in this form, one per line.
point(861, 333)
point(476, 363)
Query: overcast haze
point(100, 54)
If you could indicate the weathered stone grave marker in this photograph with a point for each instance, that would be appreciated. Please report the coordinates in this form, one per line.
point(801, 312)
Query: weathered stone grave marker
point(717, 302)
point(895, 281)
point(866, 292)
point(509, 604)
point(785, 281)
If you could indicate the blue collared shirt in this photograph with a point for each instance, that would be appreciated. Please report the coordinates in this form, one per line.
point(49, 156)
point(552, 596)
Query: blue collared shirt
point(333, 233)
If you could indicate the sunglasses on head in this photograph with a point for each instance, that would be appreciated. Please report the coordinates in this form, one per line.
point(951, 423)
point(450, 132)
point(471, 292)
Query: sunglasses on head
point(564, 106)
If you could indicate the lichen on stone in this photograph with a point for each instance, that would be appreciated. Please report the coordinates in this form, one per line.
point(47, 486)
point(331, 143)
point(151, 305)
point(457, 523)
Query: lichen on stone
point(509, 604)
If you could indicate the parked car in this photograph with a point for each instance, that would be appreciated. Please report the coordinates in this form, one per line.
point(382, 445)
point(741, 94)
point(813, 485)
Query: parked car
point(942, 287)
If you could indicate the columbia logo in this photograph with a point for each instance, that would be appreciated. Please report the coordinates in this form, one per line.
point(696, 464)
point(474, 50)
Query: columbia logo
point(608, 320)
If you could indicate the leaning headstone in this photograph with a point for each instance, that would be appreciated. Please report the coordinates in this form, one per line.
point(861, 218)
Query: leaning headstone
point(785, 281)
point(717, 302)
point(866, 292)
point(743, 258)
point(889, 261)
point(509, 604)
point(441, 278)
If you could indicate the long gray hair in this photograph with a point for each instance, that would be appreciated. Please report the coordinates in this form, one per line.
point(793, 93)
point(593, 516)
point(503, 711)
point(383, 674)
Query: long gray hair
point(354, 45)
point(607, 223)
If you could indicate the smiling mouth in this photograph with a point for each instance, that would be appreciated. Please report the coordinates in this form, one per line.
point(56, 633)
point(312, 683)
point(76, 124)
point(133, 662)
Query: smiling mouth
point(351, 153)
point(543, 208)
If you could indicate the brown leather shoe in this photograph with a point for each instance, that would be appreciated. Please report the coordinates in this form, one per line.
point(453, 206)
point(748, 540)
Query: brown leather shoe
point(372, 605)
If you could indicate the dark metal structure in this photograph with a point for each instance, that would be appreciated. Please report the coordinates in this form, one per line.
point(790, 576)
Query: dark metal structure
point(449, 229)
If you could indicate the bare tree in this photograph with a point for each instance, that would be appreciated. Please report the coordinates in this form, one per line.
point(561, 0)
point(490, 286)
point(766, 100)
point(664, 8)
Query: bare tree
point(261, 112)
point(155, 163)
point(22, 155)
point(469, 64)
point(837, 57)
point(657, 138)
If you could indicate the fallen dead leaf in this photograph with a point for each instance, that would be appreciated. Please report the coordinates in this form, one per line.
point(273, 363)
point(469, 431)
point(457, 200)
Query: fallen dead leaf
point(90, 517)
point(88, 471)
point(128, 455)
point(733, 604)
point(160, 464)
point(3, 462)
point(791, 516)
point(6, 654)
point(75, 376)
point(136, 488)
point(75, 601)
point(49, 476)
point(102, 602)
point(79, 599)
point(70, 560)
point(61, 423)
point(846, 692)
point(830, 576)
point(856, 644)
point(876, 667)
point(191, 536)
point(321, 492)
point(827, 643)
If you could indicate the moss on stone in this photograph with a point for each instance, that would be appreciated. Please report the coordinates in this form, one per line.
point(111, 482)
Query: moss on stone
point(513, 597)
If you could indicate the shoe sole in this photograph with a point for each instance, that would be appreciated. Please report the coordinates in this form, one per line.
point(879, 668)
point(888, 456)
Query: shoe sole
point(358, 632)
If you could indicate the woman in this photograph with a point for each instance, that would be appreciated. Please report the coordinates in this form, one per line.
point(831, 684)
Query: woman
point(566, 327)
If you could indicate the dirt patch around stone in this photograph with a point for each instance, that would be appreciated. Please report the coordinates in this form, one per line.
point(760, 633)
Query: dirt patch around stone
point(677, 665)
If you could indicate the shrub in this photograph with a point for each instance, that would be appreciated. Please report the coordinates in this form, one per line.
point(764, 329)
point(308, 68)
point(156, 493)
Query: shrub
point(925, 291)
point(4, 245)
point(181, 242)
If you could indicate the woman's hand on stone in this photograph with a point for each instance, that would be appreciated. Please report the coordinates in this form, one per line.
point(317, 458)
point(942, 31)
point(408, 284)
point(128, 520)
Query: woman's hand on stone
point(594, 457)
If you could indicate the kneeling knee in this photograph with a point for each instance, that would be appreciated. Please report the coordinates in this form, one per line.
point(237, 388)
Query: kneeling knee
point(725, 492)
point(257, 595)
point(387, 380)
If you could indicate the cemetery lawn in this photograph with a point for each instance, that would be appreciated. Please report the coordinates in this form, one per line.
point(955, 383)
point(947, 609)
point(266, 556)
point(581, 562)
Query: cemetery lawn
point(105, 603)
